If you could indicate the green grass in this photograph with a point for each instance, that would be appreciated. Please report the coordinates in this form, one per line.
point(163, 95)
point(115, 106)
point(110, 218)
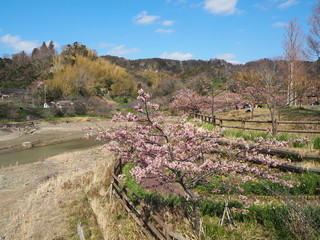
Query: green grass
point(243, 231)
point(264, 221)
point(251, 135)
point(309, 184)
point(131, 183)
point(316, 142)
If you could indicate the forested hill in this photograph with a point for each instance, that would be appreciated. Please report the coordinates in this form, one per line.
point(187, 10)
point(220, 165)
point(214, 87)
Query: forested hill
point(177, 67)
point(165, 65)
point(79, 71)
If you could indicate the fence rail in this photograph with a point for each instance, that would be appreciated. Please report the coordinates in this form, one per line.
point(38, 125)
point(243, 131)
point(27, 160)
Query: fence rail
point(151, 224)
point(219, 122)
point(273, 151)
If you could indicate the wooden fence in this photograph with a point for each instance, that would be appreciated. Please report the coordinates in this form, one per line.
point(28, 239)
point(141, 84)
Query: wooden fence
point(282, 167)
point(219, 122)
point(274, 151)
point(150, 223)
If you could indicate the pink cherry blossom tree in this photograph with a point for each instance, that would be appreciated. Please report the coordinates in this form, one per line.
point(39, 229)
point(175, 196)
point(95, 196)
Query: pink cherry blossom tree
point(187, 102)
point(181, 153)
point(225, 100)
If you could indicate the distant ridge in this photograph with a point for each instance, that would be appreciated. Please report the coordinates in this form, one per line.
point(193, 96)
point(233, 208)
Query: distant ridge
point(177, 67)
point(164, 65)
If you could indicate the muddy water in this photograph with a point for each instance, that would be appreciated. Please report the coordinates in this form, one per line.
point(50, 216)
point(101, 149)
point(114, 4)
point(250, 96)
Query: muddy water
point(39, 153)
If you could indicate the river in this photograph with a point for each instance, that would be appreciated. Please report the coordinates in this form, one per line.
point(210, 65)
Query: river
point(39, 153)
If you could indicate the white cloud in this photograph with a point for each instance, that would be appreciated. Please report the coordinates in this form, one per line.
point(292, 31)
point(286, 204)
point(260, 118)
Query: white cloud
point(120, 50)
point(144, 18)
point(105, 45)
point(168, 23)
point(229, 57)
point(225, 7)
point(17, 44)
point(226, 56)
point(164, 31)
point(233, 62)
point(55, 44)
point(280, 24)
point(288, 3)
point(177, 56)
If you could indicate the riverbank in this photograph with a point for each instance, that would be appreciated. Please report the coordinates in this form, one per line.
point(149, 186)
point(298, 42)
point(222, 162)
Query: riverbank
point(38, 199)
point(41, 200)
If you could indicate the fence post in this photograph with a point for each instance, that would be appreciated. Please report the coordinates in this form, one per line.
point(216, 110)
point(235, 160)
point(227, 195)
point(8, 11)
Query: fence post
point(243, 123)
point(220, 123)
point(214, 120)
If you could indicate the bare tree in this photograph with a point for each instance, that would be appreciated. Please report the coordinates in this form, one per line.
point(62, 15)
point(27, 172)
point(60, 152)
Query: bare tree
point(265, 86)
point(313, 39)
point(294, 55)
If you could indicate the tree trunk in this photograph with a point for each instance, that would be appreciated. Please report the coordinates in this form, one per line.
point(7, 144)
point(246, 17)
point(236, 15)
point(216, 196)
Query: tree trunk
point(196, 211)
point(212, 107)
point(273, 120)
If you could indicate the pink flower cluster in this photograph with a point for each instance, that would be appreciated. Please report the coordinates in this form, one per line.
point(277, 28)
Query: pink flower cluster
point(301, 140)
point(180, 152)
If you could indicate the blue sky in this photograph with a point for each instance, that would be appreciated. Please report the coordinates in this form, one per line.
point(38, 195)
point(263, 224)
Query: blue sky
point(235, 30)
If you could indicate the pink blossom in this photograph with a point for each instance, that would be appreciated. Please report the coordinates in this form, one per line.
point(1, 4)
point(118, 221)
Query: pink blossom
point(181, 152)
point(140, 92)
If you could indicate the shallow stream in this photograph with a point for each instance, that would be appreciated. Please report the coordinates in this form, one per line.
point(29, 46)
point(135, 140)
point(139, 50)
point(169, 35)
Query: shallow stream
point(39, 153)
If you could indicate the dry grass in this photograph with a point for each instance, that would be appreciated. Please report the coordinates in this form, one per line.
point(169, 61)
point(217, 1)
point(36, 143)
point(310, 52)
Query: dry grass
point(308, 164)
point(77, 192)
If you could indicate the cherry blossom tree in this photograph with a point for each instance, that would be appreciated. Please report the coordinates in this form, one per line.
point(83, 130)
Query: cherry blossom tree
point(187, 101)
point(225, 100)
point(181, 153)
